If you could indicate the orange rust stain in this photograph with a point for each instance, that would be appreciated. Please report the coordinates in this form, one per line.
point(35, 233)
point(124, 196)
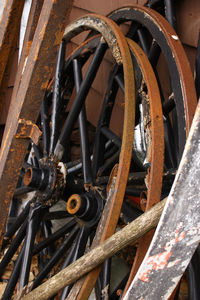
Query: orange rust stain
point(44, 85)
point(58, 36)
point(36, 52)
point(28, 47)
point(159, 261)
point(155, 262)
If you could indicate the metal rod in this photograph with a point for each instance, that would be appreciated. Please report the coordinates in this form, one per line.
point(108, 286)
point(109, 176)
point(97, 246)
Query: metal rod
point(104, 120)
point(105, 279)
point(56, 257)
point(82, 120)
point(170, 12)
point(13, 247)
point(77, 251)
point(33, 224)
point(19, 220)
point(79, 100)
point(56, 99)
point(14, 277)
point(45, 126)
point(55, 236)
point(111, 136)
point(143, 40)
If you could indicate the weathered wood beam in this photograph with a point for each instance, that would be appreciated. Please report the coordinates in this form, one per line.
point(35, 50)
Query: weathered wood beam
point(26, 105)
point(9, 30)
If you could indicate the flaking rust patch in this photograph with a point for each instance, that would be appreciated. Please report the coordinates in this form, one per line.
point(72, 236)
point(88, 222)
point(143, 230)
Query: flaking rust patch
point(160, 261)
point(58, 35)
point(45, 85)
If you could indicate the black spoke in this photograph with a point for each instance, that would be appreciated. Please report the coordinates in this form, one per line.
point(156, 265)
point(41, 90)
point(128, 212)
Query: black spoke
point(14, 277)
point(56, 100)
point(33, 225)
point(104, 120)
point(143, 40)
point(170, 12)
point(13, 247)
point(18, 222)
point(56, 257)
point(76, 251)
point(84, 139)
point(79, 99)
point(54, 236)
point(45, 125)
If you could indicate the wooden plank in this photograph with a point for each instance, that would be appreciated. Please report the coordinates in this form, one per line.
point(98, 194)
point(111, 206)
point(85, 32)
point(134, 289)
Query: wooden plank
point(9, 77)
point(102, 7)
point(188, 21)
point(9, 30)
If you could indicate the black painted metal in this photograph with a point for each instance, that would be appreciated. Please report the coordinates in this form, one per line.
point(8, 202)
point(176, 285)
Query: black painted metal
point(33, 225)
point(76, 251)
point(56, 257)
point(105, 279)
point(55, 236)
point(14, 277)
point(18, 222)
point(193, 278)
point(170, 12)
point(44, 114)
point(84, 139)
point(56, 99)
point(13, 247)
point(111, 136)
point(79, 99)
point(104, 120)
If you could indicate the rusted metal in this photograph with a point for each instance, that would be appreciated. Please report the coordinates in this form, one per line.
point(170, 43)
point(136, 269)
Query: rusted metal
point(9, 32)
point(178, 232)
point(154, 178)
point(28, 130)
point(120, 52)
point(29, 96)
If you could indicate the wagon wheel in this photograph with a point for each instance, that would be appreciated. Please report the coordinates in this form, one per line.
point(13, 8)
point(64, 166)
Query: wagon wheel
point(156, 36)
point(49, 174)
point(151, 111)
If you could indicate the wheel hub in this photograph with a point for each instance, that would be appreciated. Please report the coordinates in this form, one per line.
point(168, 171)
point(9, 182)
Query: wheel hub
point(86, 207)
point(48, 180)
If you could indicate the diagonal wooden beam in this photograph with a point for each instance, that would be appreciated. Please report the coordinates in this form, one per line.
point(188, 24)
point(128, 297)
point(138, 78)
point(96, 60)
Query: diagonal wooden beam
point(9, 30)
point(26, 105)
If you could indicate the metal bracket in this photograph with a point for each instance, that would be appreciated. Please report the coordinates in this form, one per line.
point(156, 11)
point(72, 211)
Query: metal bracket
point(27, 129)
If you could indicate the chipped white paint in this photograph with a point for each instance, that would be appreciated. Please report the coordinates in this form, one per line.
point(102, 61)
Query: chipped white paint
point(174, 37)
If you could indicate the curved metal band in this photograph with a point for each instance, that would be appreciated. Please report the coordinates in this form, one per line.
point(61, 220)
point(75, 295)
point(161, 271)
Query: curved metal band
point(180, 72)
point(157, 149)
